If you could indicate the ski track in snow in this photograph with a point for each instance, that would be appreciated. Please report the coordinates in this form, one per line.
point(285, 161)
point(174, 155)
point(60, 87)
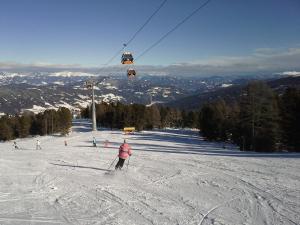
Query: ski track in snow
point(174, 177)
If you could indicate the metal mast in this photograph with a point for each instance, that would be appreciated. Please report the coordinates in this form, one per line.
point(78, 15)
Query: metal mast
point(90, 85)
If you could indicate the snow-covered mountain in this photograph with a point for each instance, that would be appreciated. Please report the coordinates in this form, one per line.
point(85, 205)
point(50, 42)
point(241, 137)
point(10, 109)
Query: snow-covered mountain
point(37, 91)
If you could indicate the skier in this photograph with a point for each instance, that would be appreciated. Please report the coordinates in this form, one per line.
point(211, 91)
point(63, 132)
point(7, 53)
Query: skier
point(94, 142)
point(124, 152)
point(15, 145)
point(106, 143)
point(38, 145)
point(66, 143)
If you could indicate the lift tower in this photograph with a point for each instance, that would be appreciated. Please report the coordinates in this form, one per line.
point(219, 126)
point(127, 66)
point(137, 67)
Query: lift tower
point(90, 85)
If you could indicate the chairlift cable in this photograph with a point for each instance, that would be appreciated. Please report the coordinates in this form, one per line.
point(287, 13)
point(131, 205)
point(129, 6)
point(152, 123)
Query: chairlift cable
point(135, 34)
point(147, 21)
point(173, 29)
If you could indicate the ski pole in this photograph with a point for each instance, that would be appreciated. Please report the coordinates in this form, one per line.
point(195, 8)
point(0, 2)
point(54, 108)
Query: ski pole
point(112, 163)
point(128, 163)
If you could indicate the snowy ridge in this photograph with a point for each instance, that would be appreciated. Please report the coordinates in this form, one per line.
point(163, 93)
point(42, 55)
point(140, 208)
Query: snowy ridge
point(226, 85)
point(291, 73)
point(71, 74)
point(173, 177)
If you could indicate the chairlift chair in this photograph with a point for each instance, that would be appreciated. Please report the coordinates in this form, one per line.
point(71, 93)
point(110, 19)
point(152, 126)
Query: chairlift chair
point(127, 58)
point(131, 73)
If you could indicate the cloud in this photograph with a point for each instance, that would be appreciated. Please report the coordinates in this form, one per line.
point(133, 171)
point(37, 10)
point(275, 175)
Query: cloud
point(47, 67)
point(261, 61)
point(290, 73)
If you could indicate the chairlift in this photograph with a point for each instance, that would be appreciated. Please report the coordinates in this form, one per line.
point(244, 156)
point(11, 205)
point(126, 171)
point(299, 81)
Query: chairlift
point(131, 73)
point(88, 84)
point(127, 58)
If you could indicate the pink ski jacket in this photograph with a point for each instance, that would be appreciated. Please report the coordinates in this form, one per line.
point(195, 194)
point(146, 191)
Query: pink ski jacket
point(124, 151)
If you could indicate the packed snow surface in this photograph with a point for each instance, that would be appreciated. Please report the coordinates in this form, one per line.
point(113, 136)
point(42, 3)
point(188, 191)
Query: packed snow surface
point(173, 177)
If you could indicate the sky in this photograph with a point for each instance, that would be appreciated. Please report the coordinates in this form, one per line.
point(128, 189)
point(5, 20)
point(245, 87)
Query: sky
point(234, 36)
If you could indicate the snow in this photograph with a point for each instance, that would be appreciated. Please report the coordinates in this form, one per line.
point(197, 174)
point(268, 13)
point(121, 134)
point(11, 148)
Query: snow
point(65, 104)
point(108, 86)
point(10, 75)
point(110, 97)
point(83, 103)
point(71, 74)
point(174, 177)
point(48, 104)
point(226, 85)
point(291, 73)
point(33, 88)
point(38, 109)
point(139, 93)
point(154, 102)
point(83, 96)
point(111, 87)
point(58, 82)
point(35, 109)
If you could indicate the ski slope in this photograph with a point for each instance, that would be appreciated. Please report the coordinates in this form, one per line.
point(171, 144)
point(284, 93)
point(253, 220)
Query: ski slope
point(173, 177)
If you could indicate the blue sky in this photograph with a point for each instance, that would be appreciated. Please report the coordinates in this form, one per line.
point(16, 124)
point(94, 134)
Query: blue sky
point(89, 32)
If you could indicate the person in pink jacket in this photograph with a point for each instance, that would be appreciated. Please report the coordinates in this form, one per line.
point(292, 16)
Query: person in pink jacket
point(124, 152)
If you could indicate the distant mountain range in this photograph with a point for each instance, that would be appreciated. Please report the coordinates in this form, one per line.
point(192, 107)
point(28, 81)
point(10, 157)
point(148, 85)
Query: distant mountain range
point(231, 93)
point(38, 91)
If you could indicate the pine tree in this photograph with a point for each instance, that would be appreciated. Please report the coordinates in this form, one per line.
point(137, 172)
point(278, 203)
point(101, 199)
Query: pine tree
point(6, 132)
point(138, 116)
point(65, 120)
point(213, 121)
point(191, 119)
point(184, 120)
point(152, 117)
point(258, 121)
point(290, 119)
point(155, 116)
point(24, 126)
point(120, 114)
point(40, 124)
point(163, 111)
point(85, 112)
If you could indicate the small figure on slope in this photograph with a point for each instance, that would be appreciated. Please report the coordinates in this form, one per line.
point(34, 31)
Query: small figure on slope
point(106, 143)
point(15, 145)
point(124, 152)
point(38, 145)
point(94, 142)
point(66, 143)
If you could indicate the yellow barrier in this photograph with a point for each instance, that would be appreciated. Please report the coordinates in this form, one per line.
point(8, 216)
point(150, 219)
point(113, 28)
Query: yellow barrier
point(129, 129)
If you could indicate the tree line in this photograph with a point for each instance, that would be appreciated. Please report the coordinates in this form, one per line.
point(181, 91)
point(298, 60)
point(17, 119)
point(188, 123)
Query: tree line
point(141, 117)
point(260, 120)
point(47, 122)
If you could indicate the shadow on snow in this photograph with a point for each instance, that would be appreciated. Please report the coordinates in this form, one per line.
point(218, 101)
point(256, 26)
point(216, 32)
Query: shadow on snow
point(77, 166)
point(189, 142)
point(186, 142)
